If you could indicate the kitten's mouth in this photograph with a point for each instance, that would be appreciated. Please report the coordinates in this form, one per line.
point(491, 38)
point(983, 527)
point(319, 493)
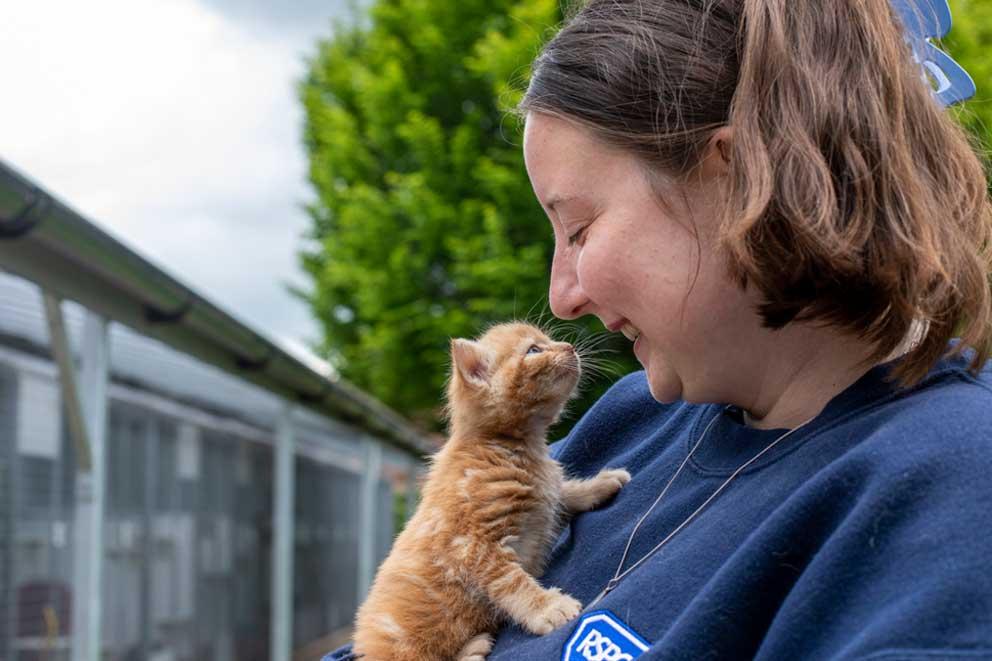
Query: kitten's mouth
point(572, 362)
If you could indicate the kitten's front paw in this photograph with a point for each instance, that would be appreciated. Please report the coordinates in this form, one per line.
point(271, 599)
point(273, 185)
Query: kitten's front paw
point(476, 649)
point(609, 481)
point(557, 609)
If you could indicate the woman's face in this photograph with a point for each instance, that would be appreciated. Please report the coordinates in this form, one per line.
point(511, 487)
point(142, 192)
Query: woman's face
point(621, 256)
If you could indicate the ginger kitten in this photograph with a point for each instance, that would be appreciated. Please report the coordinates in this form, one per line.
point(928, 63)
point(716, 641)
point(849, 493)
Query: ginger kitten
point(492, 504)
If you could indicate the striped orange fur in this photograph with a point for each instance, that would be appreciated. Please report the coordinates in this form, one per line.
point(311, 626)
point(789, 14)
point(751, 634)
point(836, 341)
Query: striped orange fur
point(492, 504)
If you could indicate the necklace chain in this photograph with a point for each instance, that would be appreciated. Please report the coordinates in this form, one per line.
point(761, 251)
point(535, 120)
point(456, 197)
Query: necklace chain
point(619, 575)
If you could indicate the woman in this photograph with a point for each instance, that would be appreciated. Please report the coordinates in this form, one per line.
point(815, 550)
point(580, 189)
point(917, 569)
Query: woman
point(767, 198)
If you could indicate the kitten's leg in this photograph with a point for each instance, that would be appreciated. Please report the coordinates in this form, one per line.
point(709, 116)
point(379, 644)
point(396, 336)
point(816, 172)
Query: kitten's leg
point(516, 592)
point(476, 649)
point(584, 495)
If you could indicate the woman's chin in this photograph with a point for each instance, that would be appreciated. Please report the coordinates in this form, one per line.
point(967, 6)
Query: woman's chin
point(664, 384)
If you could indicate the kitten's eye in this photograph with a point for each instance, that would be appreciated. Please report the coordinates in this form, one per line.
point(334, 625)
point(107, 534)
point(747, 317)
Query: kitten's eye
point(534, 349)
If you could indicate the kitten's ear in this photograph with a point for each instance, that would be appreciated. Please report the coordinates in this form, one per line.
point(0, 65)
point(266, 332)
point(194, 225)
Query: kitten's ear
point(471, 360)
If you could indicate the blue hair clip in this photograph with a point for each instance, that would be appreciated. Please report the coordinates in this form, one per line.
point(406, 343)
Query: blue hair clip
point(931, 19)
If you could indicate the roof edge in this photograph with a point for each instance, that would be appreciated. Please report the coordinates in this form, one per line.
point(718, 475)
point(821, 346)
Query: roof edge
point(49, 243)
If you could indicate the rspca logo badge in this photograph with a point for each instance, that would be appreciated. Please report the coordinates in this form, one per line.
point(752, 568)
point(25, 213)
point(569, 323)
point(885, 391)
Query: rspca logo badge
point(601, 636)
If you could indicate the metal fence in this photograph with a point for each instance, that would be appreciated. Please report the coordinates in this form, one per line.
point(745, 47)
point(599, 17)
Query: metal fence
point(231, 522)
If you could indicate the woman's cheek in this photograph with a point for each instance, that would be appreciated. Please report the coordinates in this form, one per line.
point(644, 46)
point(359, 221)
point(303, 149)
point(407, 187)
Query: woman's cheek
point(598, 271)
point(585, 271)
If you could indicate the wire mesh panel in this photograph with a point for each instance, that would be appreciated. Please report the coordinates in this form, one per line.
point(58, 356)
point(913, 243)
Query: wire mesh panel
point(167, 625)
point(339, 564)
point(188, 512)
point(188, 530)
point(37, 517)
point(198, 586)
point(253, 552)
point(8, 427)
point(326, 559)
point(126, 531)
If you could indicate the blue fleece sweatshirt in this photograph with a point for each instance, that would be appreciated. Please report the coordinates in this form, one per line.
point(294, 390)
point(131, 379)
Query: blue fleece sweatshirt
point(866, 534)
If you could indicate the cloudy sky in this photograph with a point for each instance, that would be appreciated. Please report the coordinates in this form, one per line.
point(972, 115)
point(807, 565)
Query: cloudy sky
point(173, 125)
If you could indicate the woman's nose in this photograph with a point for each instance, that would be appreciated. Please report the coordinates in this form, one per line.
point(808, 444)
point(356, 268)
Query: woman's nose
point(565, 296)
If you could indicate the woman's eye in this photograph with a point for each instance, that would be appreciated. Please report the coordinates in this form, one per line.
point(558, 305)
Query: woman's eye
point(534, 349)
point(575, 237)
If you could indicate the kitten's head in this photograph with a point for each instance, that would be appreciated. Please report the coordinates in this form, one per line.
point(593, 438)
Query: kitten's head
point(513, 380)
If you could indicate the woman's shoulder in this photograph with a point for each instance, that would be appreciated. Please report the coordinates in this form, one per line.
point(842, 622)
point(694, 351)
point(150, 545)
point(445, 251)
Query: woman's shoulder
point(932, 439)
point(951, 408)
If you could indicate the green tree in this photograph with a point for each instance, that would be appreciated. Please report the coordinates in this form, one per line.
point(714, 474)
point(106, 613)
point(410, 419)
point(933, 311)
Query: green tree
point(969, 42)
point(425, 226)
point(424, 223)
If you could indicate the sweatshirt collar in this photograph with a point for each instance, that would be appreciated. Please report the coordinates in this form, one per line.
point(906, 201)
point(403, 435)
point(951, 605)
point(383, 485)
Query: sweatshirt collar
point(730, 442)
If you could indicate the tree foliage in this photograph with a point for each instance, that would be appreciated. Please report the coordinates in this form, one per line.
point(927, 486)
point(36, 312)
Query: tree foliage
point(425, 226)
point(970, 42)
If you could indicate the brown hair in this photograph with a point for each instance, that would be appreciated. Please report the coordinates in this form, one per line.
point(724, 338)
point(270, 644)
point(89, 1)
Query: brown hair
point(854, 198)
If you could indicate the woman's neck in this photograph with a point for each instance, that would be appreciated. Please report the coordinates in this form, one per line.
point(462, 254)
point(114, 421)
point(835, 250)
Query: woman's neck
point(803, 370)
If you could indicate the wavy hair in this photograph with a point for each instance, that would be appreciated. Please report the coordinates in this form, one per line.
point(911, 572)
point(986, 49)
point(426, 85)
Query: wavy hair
point(854, 199)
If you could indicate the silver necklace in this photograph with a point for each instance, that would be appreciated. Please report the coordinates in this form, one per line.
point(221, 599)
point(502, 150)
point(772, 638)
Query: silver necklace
point(620, 575)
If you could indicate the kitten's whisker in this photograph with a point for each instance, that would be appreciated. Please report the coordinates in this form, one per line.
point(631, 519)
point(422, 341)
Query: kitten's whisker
point(548, 319)
point(597, 356)
point(541, 302)
point(544, 323)
point(599, 337)
point(556, 325)
point(584, 347)
point(590, 377)
point(595, 371)
point(592, 364)
point(529, 317)
point(594, 374)
point(564, 331)
point(593, 341)
point(602, 373)
point(595, 366)
point(603, 367)
point(595, 351)
point(591, 355)
point(597, 334)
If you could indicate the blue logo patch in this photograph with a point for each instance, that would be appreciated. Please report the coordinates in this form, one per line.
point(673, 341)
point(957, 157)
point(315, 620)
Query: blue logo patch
point(601, 636)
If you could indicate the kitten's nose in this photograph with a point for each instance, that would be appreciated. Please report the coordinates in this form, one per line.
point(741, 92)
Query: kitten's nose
point(569, 348)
